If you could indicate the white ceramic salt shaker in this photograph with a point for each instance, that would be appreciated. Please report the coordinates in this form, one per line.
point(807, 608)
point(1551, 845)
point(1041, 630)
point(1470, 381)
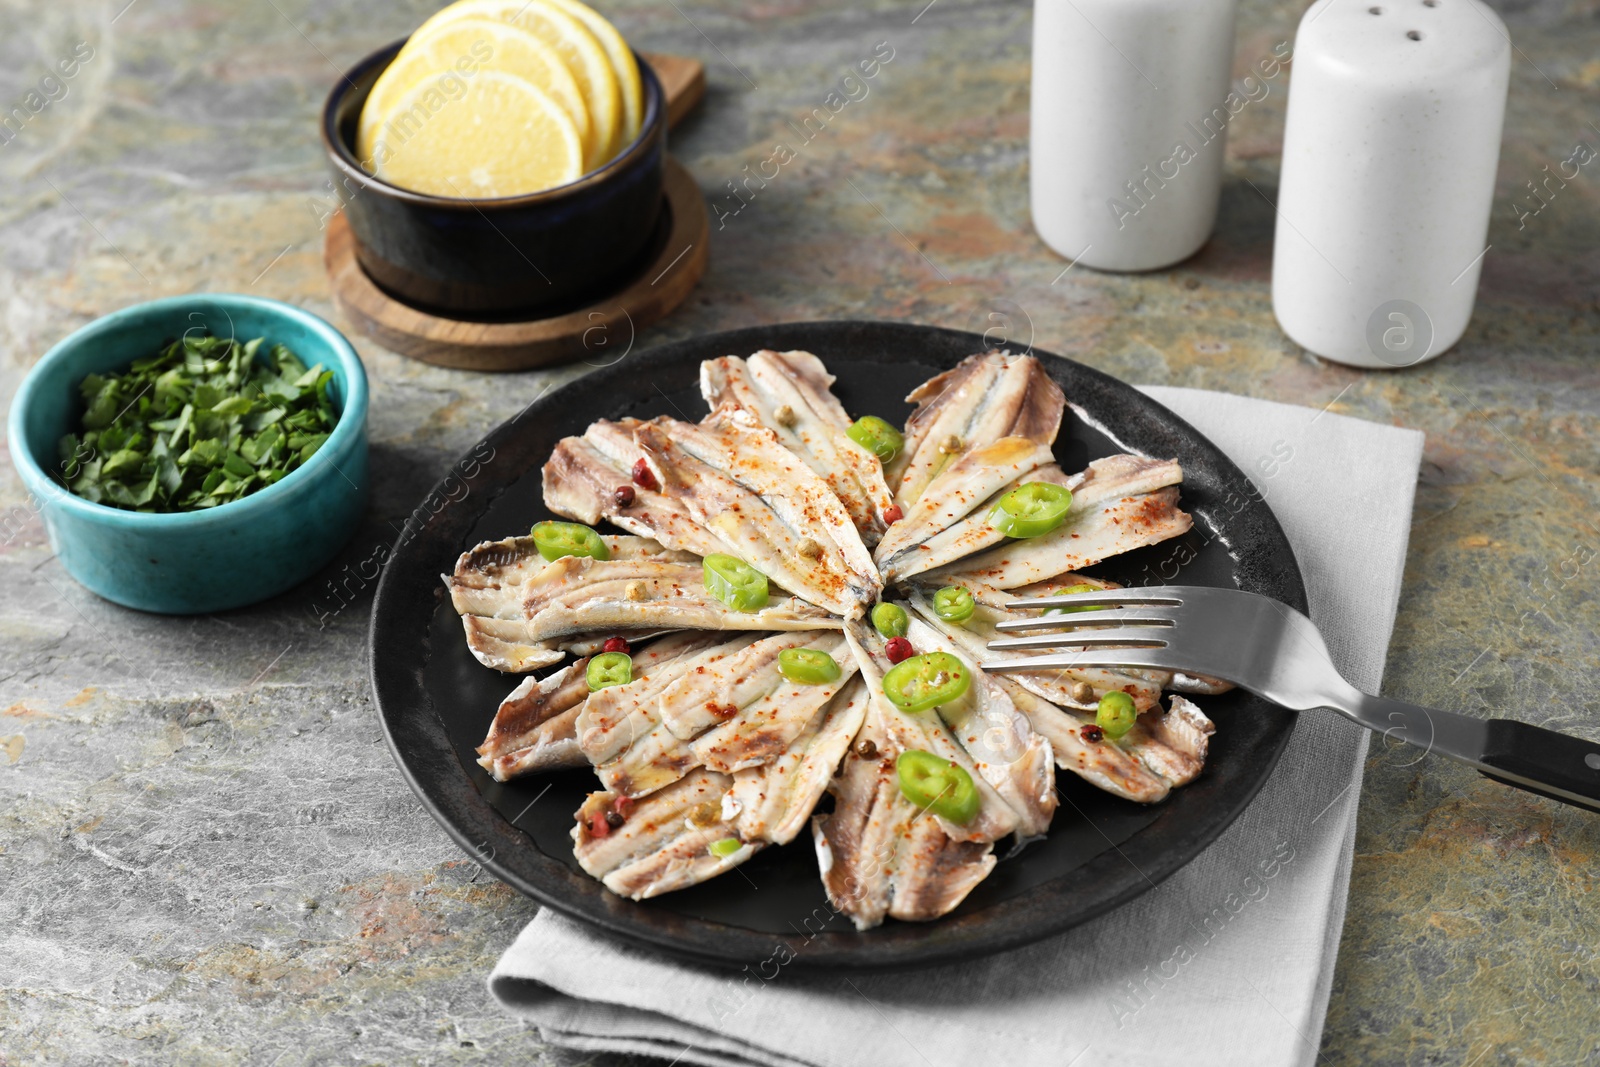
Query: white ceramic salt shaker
point(1389, 155)
point(1127, 125)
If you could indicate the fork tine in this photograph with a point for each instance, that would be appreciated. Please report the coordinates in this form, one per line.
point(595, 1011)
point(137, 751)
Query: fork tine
point(1156, 596)
point(1078, 620)
point(1121, 635)
point(1151, 658)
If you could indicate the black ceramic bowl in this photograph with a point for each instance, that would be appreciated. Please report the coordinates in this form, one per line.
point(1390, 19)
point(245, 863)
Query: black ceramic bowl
point(539, 253)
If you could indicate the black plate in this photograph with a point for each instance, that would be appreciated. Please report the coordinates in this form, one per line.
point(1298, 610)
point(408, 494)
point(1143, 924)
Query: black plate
point(436, 701)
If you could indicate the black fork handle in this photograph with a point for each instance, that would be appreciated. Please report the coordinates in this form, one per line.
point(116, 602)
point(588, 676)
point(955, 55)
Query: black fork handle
point(1541, 761)
point(1519, 754)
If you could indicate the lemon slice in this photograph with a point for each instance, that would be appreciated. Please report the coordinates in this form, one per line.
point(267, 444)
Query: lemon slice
point(464, 47)
point(502, 136)
point(622, 62)
point(570, 38)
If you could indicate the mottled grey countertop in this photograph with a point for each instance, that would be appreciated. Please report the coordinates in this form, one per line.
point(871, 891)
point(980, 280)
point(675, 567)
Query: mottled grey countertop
point(205, 853)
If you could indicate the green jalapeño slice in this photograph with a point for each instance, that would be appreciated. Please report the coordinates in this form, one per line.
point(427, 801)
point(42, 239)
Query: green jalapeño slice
point(807, 666)
point(609, 669)
point(1085, 607)
point(926, 681)
point(557, 539)
point(725, 847)
point(954, 604)
point(1032, 509)
point(890, 620)
point(877, 436)
point(935, 784)
point(735, 583)
point(1115, 714)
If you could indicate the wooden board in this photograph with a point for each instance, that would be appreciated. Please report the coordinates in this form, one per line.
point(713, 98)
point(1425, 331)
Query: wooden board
point(600, 331)
point(683, 80)
point(597, 331)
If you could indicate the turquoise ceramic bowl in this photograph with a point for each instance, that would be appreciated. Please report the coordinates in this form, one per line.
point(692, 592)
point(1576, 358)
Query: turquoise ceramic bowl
point(202, 561)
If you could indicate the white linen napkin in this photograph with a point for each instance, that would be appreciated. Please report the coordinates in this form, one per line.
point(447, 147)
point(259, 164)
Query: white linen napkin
point(1227, 962)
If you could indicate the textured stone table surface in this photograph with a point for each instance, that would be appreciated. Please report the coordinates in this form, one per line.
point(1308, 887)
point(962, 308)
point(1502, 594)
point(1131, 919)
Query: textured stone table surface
point(205, 853)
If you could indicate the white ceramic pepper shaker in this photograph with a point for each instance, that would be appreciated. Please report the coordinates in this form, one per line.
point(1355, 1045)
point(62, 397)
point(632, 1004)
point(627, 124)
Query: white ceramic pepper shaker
point(1389, 155)
point(1127, 124)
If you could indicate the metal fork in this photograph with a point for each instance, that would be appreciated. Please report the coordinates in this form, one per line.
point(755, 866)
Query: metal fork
point(1277, 653)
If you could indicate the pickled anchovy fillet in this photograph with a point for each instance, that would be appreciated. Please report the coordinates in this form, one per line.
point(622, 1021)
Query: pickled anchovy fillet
point(584, 473)
point(506, 564)
point(1173, 743)
point(790, 394)
point(772, 802)
point(1123, 503)
point(767, 507)
point(967, 536)
point(1201, 684)
point(577, 595)
point(533, 729)
point(589, 644)
point(620, 729)
point(486, 590)
point(999, 739)
point(503, 644)
point(984, 398)
point(728, 710)
point(927, 732)
point(880, 854)
point(1101, 763)
point(663, 842)
point(713, 695)
point(951, 517)
point(762, 730)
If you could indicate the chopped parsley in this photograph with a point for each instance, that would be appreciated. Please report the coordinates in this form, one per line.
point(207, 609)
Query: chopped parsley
point(202, 422)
